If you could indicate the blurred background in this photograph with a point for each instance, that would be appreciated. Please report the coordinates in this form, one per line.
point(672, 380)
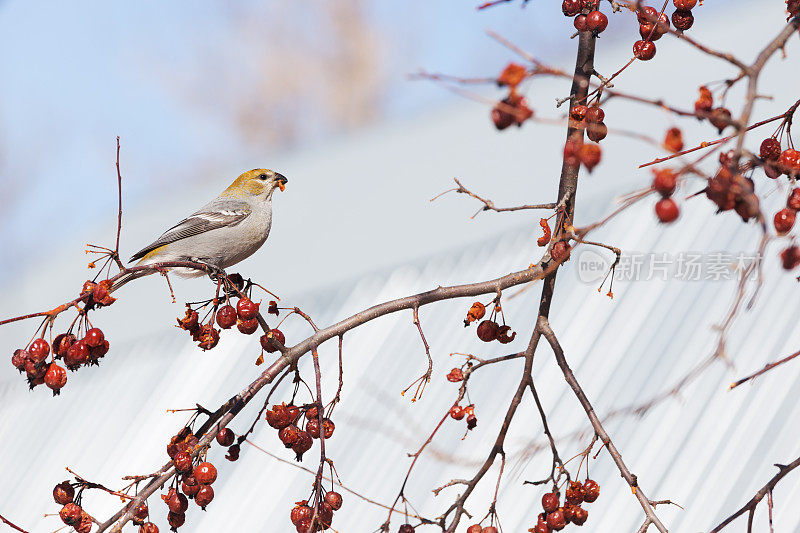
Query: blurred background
point(321, 91)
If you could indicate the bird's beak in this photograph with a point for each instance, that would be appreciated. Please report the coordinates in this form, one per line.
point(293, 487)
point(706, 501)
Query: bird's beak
point(282, 181)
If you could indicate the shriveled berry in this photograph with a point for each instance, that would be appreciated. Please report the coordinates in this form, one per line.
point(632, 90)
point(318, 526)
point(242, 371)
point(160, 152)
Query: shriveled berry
point(541, 527)
point(302, 444)
point(233, 453)
point(176, 520)
point(513, 74)
point(205, 473)
point(225, 437)
point(770, 149)
point(790, 161)
point(560, 251)
point(190, 321)
point(70, 514)
point(272, 334)
point(248, 327)
point(578, 112)
point(62, 342)
point(790, 257)
point(300, 512)
point(312, 428)
point(665, 181)
point(644, 50)
point(647, 14)
point(209, 337)
point(226, 316)
point(487, 330)
point(684, 4)
point(683, 19)
point(334, 499)
point(793, 202)
point(456, 412)
point(279, 416)
point(475, 528)
point(289, 435)
point(476, 312)
point(94, 337)
point(556, 520)
point(489, 529)
point(667, 210)
point(177, 502)
point(579, 516)
point(85, 523)
point(324, 515)
point(39, 350)
point(574, 493)
point(720, 118)
point(63, 493)
point(591, 490)
point(784, 220)
point(55, 378)
point(673, 140)
point(569, 512)
point(204, 496)
point(327, 428)
point(550, 502)
point(18, 359)
point(76, 355)
point(597, 21)
point(247, 309)
point(570, 8)
point(502, 334)
point(406, 528)
point(455, 375)
point(99, 351)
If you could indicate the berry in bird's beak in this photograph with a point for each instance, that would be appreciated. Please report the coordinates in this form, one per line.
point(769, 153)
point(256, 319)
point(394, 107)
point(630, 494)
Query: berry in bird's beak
point(282, 181)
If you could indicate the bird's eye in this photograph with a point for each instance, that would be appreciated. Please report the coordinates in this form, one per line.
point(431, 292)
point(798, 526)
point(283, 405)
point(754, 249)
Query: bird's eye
point(262, 176)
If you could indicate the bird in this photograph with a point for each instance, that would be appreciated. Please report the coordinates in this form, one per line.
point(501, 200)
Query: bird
point(225, 231)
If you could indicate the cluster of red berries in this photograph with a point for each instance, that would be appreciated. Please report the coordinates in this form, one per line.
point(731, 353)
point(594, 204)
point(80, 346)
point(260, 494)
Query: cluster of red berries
point(302, 515)
point(556, 517)
point(244, 316)
point(489, 330)
point(587, 15)
point(477, 528)
point(513, 109)
point(719, 117)
point(577, 153)
point(665, 181)
point(654, 25)
point(71, 513)
point(75, 352)
point(590, 118)
point(777, 162)
point(729, 190)
point(287, 420)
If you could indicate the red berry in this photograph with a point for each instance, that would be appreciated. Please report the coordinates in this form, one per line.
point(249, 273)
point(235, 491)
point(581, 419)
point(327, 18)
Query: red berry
point(541, 527)
point(406, 528)
point(770, 149)
point(476, 528)
point(62, 342)
point(684, 4)
point(39, 350)
point(648, 33)
point(324, 515)
point(556, 520)
point(667, 210)
point(248, 327)
point(570, 8)
point(590, 155)
point(183, 462)
point(300, 512)
point(279, 416)
point(176, 520)
point(581, 23)
point(247, 309)
point(595, 114)
point(148, 527)
point(204, 496)
point(99, 351)
point(682, 19)
point(205, 473)
point(302, 444)
point(647, 14)
point(579, 516)
point(665, 181)
point(784, 220)
point(644, 50)
point(208, 338)
point(560, 251)
point(550, 502)
point(94, 337)
point(289, 435)
point(70, 514)
point(591, 490)
point(720, 118)
point(489, 529)
point(790, 161)
point(455, 375)
point(76, 355)
point(334, 499)
point(177, 502)
point(327, 428)
point(597, 21)
point(265, 340)
point(312, 428)
point(487, 330)
point(597, 132)
point(456, 412)
point(226, 316)
point(225, 437)
point(55, 378)
point(63, 493)
point(190, 486)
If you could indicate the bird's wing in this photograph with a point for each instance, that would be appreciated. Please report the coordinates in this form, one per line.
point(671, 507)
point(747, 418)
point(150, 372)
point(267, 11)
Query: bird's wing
point(213, 216)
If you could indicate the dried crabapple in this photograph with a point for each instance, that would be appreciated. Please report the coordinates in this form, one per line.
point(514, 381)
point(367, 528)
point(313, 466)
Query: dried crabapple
point(570, 8)
point(684, 4)
point(455, 375)
point(644, 50)
point(204, 496)
point(312, 428)
point(209, 337)
point(18, 359)
point(665, 181)
point(247, 309)
point(289, 435)
point(190, 321)
point(70, 514)
point(487, 330)
point(770, 149)
point(300, 511)
point(595, 114)
point(475, 528)
point(550, 502)
point(560, 251)
point(513, 74)
point(94, 337)
point(591, 490)
point(233, 453)
point(334, 499)
point(581, 23)
point(190, 486)
point(55, 377)
point(502, 334)
point(272, 334)
point(39, 350)
point(279, 416)
point(302, 444)
point(793, 202)
point(647, 14)
point(226, 316)
point(673, 140)
point(790, 257)
point(63, 493)
point(579, 516)
point(183, 462)
point(205, 473)
point(148, 527)
point(597, 21)
point(476, 312)
point(456, 412)
point(489, 529)
point(597, 131)
point(578, 112)
point(556, 520)
point(327, 428)
point(248, 327)
point(784, 220)
point(590, 155)
point(574, 493)
point(176, 520)
point(683, 19)
point(720, 118)
point(406, 528)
